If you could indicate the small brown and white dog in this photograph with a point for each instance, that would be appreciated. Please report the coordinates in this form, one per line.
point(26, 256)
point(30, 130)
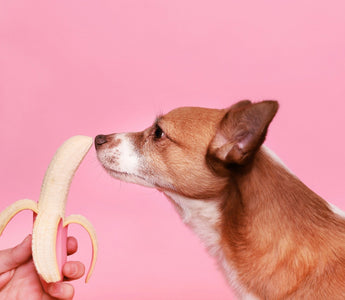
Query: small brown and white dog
point(272, 236)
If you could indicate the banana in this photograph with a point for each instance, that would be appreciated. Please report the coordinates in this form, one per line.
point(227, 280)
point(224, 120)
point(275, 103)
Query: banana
point(49, 235)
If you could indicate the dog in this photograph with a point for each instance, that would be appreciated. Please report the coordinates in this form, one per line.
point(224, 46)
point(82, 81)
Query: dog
point(271, 235)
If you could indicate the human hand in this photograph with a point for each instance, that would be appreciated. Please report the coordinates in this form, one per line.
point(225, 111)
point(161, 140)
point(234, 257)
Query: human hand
point(19, 279)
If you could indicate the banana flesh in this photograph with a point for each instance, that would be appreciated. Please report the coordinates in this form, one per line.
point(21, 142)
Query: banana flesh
point(50, 221)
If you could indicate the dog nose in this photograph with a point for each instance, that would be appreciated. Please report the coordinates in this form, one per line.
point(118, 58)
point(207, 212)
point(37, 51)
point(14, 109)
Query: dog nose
point(100, 140)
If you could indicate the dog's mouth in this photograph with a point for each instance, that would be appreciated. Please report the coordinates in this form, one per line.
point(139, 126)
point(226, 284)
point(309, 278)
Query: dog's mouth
point(129, 177)
point(148, 179)
point(117, 173)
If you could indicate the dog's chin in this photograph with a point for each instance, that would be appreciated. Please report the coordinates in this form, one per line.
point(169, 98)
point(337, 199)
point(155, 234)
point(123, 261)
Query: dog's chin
point(131, 178)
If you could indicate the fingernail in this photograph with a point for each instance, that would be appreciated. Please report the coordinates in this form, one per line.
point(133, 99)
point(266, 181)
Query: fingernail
point(27, 239)
point(72, 269)
point(55, 289)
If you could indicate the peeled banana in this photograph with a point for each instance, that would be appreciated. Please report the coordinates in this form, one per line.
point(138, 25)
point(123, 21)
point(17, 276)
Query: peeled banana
point(49, 235)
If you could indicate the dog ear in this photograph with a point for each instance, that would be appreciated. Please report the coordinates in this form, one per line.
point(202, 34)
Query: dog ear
point(242, 131)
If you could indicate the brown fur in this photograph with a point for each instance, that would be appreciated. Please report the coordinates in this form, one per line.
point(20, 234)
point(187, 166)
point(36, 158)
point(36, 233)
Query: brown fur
point(282, 239)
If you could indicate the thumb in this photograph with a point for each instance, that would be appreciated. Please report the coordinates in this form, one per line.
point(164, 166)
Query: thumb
point(14, 257)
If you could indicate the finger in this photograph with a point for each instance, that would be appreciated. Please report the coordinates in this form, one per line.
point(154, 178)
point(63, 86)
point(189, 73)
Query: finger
point(6, 277)
point(72, 245)
point(73, 270)
point(61, 290)
point(13, 257)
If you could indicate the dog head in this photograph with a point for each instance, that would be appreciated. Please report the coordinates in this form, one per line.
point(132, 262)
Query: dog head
point(189, 151)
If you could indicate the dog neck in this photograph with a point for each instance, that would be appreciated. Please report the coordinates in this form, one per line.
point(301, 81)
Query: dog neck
point(264, 211)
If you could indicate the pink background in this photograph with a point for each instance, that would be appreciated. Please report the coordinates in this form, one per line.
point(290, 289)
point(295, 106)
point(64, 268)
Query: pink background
point(90, 67)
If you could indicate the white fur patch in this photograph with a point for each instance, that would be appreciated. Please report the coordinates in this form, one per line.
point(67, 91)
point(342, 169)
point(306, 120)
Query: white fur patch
point(204, 217)
point(123, 162)
point(127, 157)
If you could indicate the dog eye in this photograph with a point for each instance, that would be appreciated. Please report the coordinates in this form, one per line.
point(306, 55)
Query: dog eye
point(159, 133)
